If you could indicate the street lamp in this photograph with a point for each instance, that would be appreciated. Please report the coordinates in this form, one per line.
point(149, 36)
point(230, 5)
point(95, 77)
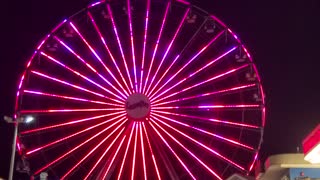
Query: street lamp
point(27, 119)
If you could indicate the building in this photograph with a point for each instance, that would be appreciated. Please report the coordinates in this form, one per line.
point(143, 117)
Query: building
point(289, 167)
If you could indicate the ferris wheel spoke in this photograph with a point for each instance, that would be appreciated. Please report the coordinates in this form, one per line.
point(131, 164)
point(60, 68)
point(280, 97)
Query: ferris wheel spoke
point(81, 59)
point(229, 106)
point(81, 75)
point(134, 151)
point(109, 52)
point(72, 150)
point(218, 121)
point(119, 43)
point(68, 84)
point(150, 148)
point(125, 154)
point(112, 160)
point(168, 49)
point(122, 113)
point(46, 111)
point(95, 148)
point(192, 59)
point(66, 97)
point(156, 45)
point(197, 71)
point(214, 152)
point(230, 71)
point(144, 44)
point(173, 152)
point(222, 138)
point(142, 152)
point(218, 92)
point(132, 46)
point(101, 62)
point(74, 135)
point(163, 75)
point(191, 39)
point(186, 149)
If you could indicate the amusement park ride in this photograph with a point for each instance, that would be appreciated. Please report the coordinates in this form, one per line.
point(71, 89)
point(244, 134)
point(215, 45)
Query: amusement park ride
point(152, 89)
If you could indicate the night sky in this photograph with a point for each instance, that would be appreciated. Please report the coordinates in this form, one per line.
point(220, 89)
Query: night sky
point(282, 36)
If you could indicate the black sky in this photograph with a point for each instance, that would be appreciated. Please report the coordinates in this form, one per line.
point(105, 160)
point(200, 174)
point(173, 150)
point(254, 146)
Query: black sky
point(282, 35)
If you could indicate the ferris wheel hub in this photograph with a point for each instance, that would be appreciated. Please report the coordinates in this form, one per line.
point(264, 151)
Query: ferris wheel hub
point(137, 106)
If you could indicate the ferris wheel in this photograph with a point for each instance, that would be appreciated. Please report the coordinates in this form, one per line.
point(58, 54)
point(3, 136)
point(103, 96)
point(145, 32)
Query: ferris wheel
point(141, 90)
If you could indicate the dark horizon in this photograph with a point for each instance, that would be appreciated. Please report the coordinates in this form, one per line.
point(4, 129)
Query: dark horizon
point(281, 36)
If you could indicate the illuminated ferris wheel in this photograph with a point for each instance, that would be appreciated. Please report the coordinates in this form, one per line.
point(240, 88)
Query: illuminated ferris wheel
point(142, 90)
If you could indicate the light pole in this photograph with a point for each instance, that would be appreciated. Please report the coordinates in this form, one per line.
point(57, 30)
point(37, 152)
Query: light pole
point(16, 122)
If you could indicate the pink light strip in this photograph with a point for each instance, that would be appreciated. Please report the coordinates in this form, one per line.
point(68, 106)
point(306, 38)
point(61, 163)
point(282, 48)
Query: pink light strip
point(58, 26)
point(142, 151)
point(164, 74)
point(65, 97)
point(71, 122)
point(202, 82)
point(82, 60)
point(74, 134)
point(113, 158)
point(30, 60)
point(66, 83)
point(263, 112)
point(218, 20)
point(192, 59)
point(109, 52)
point(134, 152)
point(101, 62)
point(94, 149)
point(68, 110)
point(156, 45)
point(254, 160)
point(202, 145)
point(82, 76)
point(210, 119)
point(213, 61)
point(22, 78)
point(174, 153)
point(132, 47)
point(197, 71)
point(153, 158)
point(186, 149)
point(235, 36)
point(70, 151)
point(168, 48)
point(236, 88)
point(19, 148)
point(96, 3)
point(119, 43)
point(211, 106)
point(231, 141)
point(183, 2)
point(125, 154)
point(144, 44)
point(43, 41)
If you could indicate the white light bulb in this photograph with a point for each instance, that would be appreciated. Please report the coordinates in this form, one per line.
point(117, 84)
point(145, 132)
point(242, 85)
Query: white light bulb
point(29, 119)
